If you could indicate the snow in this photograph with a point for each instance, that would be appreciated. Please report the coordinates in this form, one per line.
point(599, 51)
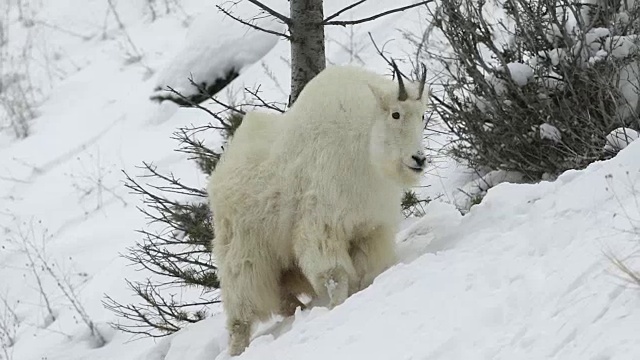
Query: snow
point(550, 132)
point(555, 55)
point(521, 74)
point(621, 46)
point(553, 32)
point(619, 139)
point(522, 275)
point(476, 189)
point(629, 83)
point(594, 38)
point(600, 55)
point(487, 126)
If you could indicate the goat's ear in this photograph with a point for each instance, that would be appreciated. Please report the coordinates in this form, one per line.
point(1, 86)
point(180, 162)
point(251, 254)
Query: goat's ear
point(382, 98)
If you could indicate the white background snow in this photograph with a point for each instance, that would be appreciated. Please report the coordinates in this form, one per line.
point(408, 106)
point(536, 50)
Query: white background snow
point(522, 275)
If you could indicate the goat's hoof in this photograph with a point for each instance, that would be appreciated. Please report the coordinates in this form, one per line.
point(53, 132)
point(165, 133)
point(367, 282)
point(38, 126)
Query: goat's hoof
point(338, 291)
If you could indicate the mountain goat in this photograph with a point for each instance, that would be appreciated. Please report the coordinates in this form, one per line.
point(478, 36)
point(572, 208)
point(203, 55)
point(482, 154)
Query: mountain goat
point(308, 201)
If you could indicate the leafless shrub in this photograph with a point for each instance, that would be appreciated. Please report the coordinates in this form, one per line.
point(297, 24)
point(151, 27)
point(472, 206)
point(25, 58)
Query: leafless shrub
point(18, 106)
point(9, 322)
point(43, 265)
point(627, 264)
point(622, 264)
point(91, 179)
point(352, 45)
point(157, 8)
point(18, 97)
point(35, 270)
point(133, 53)
point(537, 91)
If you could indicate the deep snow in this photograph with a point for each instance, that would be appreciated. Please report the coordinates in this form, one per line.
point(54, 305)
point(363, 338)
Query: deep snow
point(523, 275)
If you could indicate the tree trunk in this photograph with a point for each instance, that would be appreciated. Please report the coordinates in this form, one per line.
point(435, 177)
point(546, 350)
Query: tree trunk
point(307, 43)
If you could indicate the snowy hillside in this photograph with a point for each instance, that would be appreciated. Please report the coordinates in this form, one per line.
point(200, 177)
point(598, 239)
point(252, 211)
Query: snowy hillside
point(523, 275)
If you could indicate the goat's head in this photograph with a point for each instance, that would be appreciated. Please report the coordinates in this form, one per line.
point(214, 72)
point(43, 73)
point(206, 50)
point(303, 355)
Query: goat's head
point(396, 138)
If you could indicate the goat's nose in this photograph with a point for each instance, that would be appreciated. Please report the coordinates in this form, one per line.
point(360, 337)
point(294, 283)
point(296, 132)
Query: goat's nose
point(419, 159)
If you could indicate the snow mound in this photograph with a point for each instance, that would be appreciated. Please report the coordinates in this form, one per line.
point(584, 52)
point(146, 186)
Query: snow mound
point(521, 74)
point(465, 196)
point(229, 46)
point(550, 132)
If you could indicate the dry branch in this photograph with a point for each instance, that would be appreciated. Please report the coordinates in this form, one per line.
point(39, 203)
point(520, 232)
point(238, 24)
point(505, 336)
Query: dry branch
point(254, 26)
point(373, 17)
point(271, 12)
point(339, 12)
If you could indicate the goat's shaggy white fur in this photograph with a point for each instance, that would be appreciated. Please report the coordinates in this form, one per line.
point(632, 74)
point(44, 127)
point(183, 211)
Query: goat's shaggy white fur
point(309, 201)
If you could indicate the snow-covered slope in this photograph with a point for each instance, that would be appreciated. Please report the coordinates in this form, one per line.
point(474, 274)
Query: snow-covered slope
point(522, 276)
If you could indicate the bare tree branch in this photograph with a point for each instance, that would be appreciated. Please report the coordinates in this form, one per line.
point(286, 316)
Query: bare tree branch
point(384, 57)
point(373, 17)
point(193, 104)
point(378, 50)
point(265, 104)
point(203, 90)
point(271, 12)
point(252, 25)
point(339, 12)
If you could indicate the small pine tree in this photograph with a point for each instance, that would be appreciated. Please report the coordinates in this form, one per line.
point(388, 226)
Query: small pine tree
point(412, 204)
point(179, 254)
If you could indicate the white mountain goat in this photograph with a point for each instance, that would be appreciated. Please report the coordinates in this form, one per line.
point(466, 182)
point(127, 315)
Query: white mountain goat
point(309, 201)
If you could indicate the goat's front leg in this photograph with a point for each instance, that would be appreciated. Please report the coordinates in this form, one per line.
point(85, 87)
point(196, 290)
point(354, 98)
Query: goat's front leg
point(372, 254)
point(324, 260)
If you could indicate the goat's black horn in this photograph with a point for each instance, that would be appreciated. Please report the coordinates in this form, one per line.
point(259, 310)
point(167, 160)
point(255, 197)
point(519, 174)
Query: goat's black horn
point(402, 92)
point(423, 79)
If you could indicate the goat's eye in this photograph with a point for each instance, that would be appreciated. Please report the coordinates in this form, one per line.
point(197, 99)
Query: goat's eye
point(395, 115)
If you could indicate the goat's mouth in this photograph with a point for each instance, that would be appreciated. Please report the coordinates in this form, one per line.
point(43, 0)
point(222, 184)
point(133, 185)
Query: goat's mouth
point(415, 169)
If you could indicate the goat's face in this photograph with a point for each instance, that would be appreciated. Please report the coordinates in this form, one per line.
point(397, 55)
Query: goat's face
point(396, 139)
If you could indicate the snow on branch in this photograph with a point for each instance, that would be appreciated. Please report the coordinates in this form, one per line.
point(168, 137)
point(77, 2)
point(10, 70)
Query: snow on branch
point(328, 20)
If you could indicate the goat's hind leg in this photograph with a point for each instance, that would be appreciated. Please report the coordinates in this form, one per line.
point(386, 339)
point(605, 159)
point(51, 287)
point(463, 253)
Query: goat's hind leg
point(292, 284)
point(250, 292)
point(239, 335)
